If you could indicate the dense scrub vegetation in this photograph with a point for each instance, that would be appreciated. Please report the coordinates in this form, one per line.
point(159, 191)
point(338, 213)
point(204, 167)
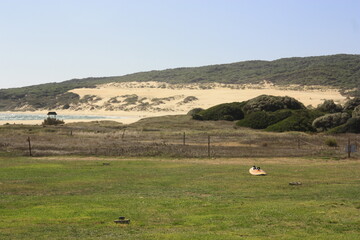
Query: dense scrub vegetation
point(262, 119)
point(52, 121)
point(281, 114)
point(329, 121)
point(342, 71)
point(351, 126)
point(226, 111)
point(300, 120)
point(194, 111)
point(269, 103)
point(356, 112)
point(352, 104)
point(330, 107)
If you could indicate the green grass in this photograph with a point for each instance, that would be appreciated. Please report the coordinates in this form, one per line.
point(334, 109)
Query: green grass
point(78, 198)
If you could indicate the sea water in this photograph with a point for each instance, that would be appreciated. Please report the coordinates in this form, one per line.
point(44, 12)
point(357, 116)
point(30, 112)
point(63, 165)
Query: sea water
point(29, 116)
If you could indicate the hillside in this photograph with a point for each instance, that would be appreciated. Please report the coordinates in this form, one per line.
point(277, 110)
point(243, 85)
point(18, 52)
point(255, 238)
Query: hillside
point(340, 71)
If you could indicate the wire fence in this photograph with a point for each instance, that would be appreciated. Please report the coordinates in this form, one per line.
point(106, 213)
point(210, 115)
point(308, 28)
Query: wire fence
point(180, 144)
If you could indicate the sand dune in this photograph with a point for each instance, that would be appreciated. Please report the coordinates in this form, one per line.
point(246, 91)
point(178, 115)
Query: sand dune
point(139, 100)
point(155, 97)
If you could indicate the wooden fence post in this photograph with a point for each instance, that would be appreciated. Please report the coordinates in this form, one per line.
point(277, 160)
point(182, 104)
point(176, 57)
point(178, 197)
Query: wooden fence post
point(123, 135)
point(184, 139)
point(29, 140)
point(349, 148)
point(209, 146)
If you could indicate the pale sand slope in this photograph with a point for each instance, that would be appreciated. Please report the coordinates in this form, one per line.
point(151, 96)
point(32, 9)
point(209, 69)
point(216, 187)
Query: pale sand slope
point(139, 100)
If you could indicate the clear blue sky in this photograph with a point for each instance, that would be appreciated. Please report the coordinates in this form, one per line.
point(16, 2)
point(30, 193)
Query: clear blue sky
point(45, 41)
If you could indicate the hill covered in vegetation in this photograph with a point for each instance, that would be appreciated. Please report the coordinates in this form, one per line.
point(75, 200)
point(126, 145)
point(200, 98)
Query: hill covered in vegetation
point(340, 71)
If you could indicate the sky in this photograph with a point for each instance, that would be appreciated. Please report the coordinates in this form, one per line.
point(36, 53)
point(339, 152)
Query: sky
point(44, 41)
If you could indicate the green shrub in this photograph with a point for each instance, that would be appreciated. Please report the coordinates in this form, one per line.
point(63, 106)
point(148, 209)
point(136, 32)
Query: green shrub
point(131, 99)
point(228, 118)
point(329, 121)
point(356, 112)
point(352, 104)
point(89, 99)
point(269, 103)
point(190, 99)
point(329, 106)
point(261, 120)
point(331, 142)
point(219, 112)
point(197, 116)
point(300, 120)
point(66, 106)
point(351, 126)
point(194, 111)
point(52, 121)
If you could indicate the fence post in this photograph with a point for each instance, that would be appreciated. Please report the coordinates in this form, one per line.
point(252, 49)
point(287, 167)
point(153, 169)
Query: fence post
point(349, 148)
point(184, 139)
point(29, 140)
point(123, 135)
point(209, 146)
point(298, 141)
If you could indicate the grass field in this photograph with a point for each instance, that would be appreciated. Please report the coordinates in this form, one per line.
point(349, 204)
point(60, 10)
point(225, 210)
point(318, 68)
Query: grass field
point(62, 197)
